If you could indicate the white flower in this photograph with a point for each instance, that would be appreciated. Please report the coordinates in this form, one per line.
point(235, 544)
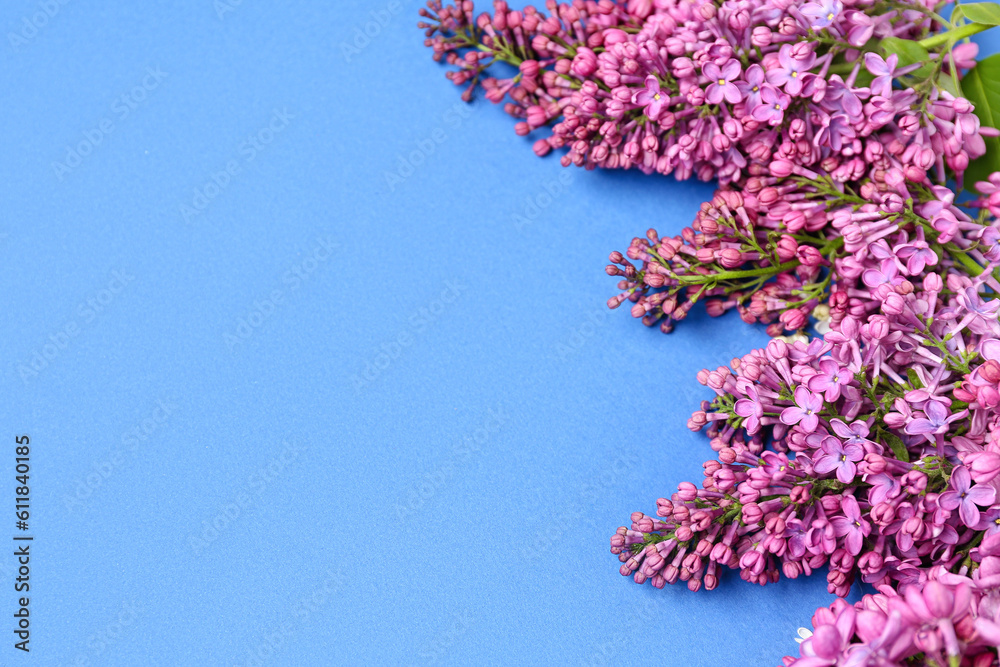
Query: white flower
point(804, 634)
point(821, 314)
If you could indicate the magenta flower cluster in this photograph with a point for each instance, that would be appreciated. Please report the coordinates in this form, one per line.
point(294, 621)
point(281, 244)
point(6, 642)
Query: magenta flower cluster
point(835, 128)
point(821, 142)
point(874, 452)
point(779, 248)
point(717, 90)
point(940, 618)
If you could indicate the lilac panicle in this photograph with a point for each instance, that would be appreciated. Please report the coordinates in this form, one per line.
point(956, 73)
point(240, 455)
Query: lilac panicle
point(896, 471)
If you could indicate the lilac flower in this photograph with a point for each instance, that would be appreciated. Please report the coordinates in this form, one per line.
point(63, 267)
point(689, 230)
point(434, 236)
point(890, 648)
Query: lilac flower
point(750, 87)
point(790, 71)
point(834, 131)
point(777, 466)
point(822, 13)
point(887, 274)
point(883, 70)
point(851, 525)
point(978, 308)
point(751, 409)
point(806, 410)
point(884, 487)
point(862, 28)
point(830, 379)
point(936, 421)
point(722, 84)
point(842, 458)
point(917, 255)
point(989, 522)
point(946, 223)
point(772, 105)
point(890, 645)
point(855, 434)
point(841, 97)
point(964, 496)
point(828, 642)
point(651, 98)
point(933, 609)
point(795, 532)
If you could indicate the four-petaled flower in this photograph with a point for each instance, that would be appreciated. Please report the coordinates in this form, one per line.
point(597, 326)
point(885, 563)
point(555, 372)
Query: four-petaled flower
point(750, 87)
point(855, 434)
point(790, 70)
point(964, 496)
point(721, 82)
point(971, 299)
point(917, 255)
point(822, 13)
point(651, 98)
point(884, 487)
point(936, 421)
point(840, 457)
point(833, 131)
point(806, 410)
point(830, 379)
point(772, 105)
point(851, 525)
point(887, 273)
point(883, 70)
point(751, 409)
point(989, 522)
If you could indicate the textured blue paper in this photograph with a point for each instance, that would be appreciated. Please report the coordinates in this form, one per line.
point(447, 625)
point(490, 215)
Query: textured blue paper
point(209, 368)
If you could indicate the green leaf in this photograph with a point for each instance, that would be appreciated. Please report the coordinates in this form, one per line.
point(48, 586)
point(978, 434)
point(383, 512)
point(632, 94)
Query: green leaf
point(946, 82)
point(915, 382)
point(898, 448)
point(909, 52)
point(981, 86)
point(983, 13)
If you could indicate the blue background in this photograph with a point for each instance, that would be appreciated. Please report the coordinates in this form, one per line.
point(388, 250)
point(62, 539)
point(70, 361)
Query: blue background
point(453, 508)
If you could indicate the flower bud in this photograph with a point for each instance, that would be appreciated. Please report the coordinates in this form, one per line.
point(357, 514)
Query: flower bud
point(983, 466)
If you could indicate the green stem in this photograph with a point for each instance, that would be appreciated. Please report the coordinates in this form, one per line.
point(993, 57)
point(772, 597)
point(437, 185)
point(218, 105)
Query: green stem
point(734, 275)
point(953, 35)
point(969, 263)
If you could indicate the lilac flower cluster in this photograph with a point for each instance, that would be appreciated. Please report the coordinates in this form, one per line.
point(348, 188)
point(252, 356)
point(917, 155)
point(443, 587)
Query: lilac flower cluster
point(788, 103)
point(720, 90)
point(833, 127)
point(940, 618)
point(874, 451)
point(781, 247)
